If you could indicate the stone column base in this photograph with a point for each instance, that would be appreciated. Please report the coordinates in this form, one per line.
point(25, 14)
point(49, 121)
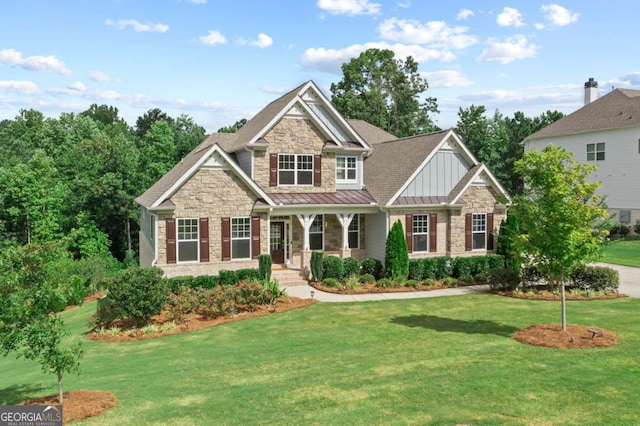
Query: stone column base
point(305, 264)
point(344, 253)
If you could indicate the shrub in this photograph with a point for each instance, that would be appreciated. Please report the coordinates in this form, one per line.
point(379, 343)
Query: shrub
point(624, 230)
point(416, 269)
point(317, 265)
point(248, 274)
point(217, 301)
point(462, 266)
point(73, 290)
point(496, 261)
point(467, 278)
point(247, 296)
point(396, 255)
point(106, 312)
point(411, 283)
point(168, 326)
point(503, 279)
point(138, 293)
point(350, 266)
point(450, 282)
point(636, 228)
point(352, 282)
point(480, 278)
point(175, 284)
point(185, 301)
point(149, 329)
point(332, 267)
point(530, 276)
point(272, 291)
point(228, 278)
point(331, 282)
point(367, 279)
point(509, 231)
point(615, 228)
point(595, 278)
point(371, 266)
point(264, 266)
point(206, 281)
point(384, 282)
point(429, 267)
point(429, 282)
point(444, 267)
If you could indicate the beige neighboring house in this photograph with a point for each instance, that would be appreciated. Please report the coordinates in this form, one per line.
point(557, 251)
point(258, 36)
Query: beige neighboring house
point(604, 132)
point(299, 177)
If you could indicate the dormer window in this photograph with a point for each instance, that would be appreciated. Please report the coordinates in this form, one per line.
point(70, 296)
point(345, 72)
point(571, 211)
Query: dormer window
point(346, 168)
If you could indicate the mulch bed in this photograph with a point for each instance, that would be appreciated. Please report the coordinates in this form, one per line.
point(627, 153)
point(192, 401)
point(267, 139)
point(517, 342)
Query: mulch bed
point(197, 321)
point(576, 336)
point(547, 295)
point(78, 405)
point(372, 288)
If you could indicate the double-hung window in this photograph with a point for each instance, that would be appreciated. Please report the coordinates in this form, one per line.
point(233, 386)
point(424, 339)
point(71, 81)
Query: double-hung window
point(241, 238)
point(595, 151)
point(420, 232)
point(187, 240)
point(479, 231)
point(295, 169)
point(316, 233)
point(354, 232)
point(346, 168)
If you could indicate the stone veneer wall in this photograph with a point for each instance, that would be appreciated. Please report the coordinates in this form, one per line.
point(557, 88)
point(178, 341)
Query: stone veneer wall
point(212, 193)
point(442, 225)
point(294, 136)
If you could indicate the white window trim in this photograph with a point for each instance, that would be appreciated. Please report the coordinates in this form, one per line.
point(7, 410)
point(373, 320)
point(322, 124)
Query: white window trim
point(414, 233)
point(473, 232)
point(346, 169)
point(295, 169)
point(240, 238)
point(178, 240)
point(355, 220)
point(319, 217)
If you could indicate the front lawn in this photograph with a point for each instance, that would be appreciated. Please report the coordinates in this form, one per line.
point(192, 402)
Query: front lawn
point(445, 360)
point(623, 252)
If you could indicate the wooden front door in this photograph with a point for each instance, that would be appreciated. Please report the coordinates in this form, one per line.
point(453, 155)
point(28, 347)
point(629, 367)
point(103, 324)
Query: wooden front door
point(276, 242)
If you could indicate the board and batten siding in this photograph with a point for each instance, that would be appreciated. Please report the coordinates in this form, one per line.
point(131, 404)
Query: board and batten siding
point(376, 230)
point(352, 185)
point(439, 176)
point(619, 172)
point(244, 161)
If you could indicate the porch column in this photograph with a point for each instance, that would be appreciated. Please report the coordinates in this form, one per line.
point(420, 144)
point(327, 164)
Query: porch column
point(305, 255)
point(345, 220)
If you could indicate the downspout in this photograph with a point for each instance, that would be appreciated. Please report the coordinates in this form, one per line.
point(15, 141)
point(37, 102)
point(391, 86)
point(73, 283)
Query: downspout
point(155, 239)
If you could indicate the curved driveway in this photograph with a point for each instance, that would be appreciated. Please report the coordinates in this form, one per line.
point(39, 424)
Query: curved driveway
point(629, 285)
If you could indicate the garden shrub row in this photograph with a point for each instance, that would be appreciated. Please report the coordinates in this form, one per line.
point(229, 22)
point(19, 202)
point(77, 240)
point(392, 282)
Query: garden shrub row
point(588, 278)
point(463, 268)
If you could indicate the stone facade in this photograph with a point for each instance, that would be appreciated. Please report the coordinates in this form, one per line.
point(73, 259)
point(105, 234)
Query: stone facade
point(211, 193)
point(295, 136)
point(442, 229)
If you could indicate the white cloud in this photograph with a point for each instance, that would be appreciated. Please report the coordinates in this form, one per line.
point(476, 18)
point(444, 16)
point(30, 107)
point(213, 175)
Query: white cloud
point(349, 7)
point(22, 87)
point(446, 78)
point(78, 86)
point(404, 5)
point(464, 14)
point(198, 1)
point(510, 17)
point(99, 76)
point(330, 60)
point(262, 41)
point(14, 58)
point(212, 38)
point(137, 26)
point(509, 50)
point(558, 16)
point(276, 90)
point(436, 33)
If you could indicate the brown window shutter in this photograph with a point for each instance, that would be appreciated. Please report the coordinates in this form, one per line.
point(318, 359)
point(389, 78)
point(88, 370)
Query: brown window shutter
point(170, 231)
point(467, 232)
point(273, 170)
point(255, 237)
point(408, 231)
point(317, 170)
point(489, 231)
point(226, 238)
point(433, 232)
point(204, 239)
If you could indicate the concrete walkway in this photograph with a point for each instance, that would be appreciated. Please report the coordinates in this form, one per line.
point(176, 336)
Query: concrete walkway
point(629, 285)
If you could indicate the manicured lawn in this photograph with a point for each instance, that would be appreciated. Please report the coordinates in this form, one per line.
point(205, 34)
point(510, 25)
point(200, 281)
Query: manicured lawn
point(441, 361)
point(623, 252)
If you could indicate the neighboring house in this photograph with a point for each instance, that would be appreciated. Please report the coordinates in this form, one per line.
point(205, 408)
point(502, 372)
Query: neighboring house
point(604, 132)
point(300, 177)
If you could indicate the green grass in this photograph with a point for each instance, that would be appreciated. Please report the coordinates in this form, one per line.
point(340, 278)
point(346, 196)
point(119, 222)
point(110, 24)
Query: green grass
point(438, 361)
point(623, 252)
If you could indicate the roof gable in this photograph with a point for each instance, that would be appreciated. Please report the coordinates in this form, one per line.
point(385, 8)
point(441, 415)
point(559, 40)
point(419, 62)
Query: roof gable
point(619, 108)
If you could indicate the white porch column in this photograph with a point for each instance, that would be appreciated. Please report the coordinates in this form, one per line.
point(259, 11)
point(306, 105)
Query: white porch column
point(345, 220)
point(305, 222)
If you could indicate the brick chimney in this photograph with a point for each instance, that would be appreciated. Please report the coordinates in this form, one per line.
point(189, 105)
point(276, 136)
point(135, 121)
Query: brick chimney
point(590, 91)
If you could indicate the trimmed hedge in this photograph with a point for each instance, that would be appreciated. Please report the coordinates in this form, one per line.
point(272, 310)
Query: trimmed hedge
point(596, 278)
point(350, 266)
point(503, 279)
point(332, 267)
point(371, 266)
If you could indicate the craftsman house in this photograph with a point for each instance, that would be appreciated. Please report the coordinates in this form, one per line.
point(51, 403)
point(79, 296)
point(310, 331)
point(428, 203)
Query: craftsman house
point(300, 177)
point(604, 132)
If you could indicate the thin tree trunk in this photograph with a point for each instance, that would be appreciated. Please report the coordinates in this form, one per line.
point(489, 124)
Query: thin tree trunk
point(564, 306)
point(128, 225)
point(60, 388)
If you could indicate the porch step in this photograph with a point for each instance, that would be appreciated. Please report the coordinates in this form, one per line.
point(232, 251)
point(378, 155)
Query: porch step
point(287, 277)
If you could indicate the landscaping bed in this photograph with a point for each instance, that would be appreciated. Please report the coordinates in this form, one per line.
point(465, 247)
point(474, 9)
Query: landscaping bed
point(366, 288)
point(551, 296)
point(576, 336)
point(78, 405)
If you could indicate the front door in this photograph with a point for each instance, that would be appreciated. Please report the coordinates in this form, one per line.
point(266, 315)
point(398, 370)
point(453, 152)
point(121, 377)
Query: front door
point(276, 242)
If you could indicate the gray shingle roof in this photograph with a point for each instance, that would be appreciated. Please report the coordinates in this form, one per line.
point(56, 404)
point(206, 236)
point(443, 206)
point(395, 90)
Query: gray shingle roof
point(392, 163)
point(619, 108)
point(370, 133)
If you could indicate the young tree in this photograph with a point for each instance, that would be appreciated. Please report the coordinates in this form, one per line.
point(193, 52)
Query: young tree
point(396, 254)
point(385, 92)
point(563, 219)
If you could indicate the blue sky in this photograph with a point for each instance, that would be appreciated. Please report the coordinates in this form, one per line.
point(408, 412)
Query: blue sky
point(222, 60)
